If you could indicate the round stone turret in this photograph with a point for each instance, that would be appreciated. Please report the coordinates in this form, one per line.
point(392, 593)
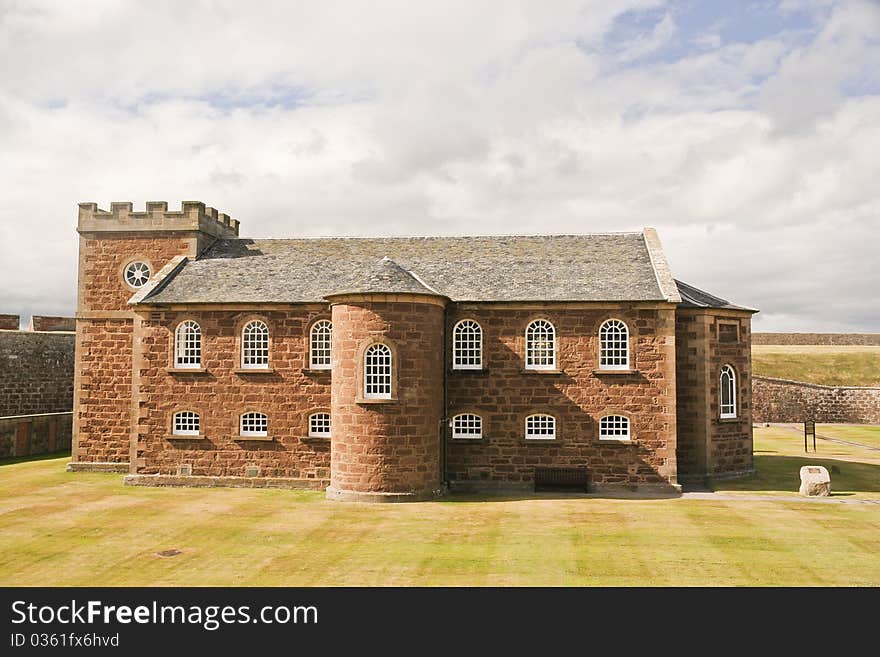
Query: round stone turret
point(387, 388)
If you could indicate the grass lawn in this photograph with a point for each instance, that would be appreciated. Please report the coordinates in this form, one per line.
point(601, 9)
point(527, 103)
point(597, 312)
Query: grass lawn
point(58, 528)
point(828, 365)
point(862, 434)
point(779, 455)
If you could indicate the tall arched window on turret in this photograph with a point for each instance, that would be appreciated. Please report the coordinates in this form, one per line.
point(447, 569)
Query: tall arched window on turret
point(728, 392)
point(377, 372)
point(188, 345)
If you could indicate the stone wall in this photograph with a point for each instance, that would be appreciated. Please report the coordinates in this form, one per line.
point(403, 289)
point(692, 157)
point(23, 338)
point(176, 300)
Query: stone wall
point(51, 323)
point(706, 340)
point(36, 372)
point(780, 400)
point(871, 339)
point(24, 435)
point(220, 392)
point(503, 393)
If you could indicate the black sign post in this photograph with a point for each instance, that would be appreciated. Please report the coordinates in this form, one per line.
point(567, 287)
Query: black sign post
point(809, 430)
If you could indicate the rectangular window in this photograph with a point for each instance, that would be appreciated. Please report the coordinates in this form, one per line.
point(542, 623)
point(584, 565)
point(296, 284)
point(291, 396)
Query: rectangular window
point(728, 333)
point(614, 427)
point(186, 423)
point(467, 425)
point(254, 424)
point(319, 425)
point(540, 427)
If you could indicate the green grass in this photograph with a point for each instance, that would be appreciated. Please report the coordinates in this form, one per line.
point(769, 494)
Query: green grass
point(826, 365)
point(862, 434)
point(779, 456)
point(58, 528)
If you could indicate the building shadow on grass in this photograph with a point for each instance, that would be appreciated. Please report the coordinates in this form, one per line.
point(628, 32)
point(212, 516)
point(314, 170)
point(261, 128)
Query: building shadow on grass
point(35, 457)
point(776, 472)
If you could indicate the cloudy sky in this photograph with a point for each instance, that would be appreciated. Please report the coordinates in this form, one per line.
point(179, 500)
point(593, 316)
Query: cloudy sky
point(747, 132)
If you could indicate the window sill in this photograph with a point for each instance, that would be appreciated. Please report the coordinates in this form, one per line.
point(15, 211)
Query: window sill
point(254, 370)
point(728, 420)
point(316, 370)
point(186, 370)
point(616, 372)
point(541, 441)
point(182, 437)
point(315, 439)
point(393, 400)
point(616, 441)
point(483, 371)
point(467, 439)
point(526, 370)
point(247, 439)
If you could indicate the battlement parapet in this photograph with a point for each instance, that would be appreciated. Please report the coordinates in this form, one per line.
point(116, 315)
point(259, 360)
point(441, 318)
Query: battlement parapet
point(193, 216)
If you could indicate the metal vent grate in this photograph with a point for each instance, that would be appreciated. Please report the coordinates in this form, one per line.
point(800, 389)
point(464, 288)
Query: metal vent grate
point(185, 470)
point(562, 479)
point(251, 471)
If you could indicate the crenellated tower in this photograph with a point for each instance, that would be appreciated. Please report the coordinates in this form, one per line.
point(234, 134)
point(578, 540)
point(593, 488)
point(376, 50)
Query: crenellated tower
point(120, 251)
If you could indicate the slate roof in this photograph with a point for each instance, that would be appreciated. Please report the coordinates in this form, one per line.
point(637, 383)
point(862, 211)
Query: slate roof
point(386, 276)
point(592, 267)
point(692, 297)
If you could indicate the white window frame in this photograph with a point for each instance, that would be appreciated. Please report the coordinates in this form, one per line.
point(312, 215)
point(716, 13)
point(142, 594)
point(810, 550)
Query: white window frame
point(255, 345)
point(320, 341)
point(372, 373)
point(533, 423)
point(184, 342)
point(728, 411)
point(532, 353)
point(253, 416)
point(317, 430)
point(467, 346)
point(182, 419)
point(467, 426)
point(612, 334)
point(615, 427)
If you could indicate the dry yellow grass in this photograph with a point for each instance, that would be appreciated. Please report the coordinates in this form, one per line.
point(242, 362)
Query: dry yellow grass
point(826, 365)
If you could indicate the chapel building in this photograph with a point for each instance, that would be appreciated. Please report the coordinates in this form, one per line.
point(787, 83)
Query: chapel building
point(397, 368)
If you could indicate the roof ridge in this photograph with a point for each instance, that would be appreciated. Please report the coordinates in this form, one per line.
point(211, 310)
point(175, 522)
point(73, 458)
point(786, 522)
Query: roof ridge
point(429, 237)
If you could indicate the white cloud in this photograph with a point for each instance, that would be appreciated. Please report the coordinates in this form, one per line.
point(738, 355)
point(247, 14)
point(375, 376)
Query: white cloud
point(754, 161)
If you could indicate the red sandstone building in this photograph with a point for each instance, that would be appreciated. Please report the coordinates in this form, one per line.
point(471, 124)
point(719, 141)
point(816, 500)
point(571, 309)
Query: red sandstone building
point(395, 368)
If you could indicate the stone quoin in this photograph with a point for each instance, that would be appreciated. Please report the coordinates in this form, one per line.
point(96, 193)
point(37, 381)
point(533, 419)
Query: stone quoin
point(391, 369)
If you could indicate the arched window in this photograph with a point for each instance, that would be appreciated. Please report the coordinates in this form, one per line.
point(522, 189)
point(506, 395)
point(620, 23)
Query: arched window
point(467, 425)
point(319, 342)
point(254, 424)
point(728, 392)
point(540, 345)
point(319, 425)
point(188, 345)
point(377, 372)
point(613, 345)
point(467, 346)
point(614, 427)
point(186, 423)
point(255, 346)
point(540, 427)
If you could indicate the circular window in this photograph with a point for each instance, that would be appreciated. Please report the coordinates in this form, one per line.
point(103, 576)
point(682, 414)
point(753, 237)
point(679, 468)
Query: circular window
point(137, 274)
